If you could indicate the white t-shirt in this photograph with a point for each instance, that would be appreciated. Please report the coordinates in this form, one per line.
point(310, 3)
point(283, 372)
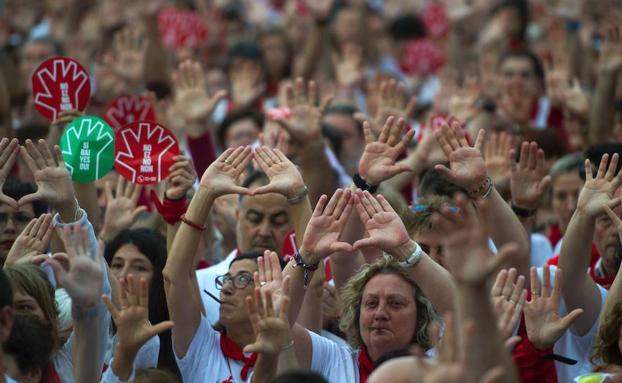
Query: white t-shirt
point(541, 250)
point(205, 362)
point(8, 379)
point(206, 279)
point(336, 363)
point(573, 346)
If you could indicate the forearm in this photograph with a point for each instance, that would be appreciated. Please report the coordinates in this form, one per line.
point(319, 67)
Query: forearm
point(299, 215)
point(265, 368)
point(614, 296)
point(306, 63)
point(86, 194)
point(123, 363)
point(434, 280)
point(310, 316)
point(156, 68)
point(486, 348)
point(296, 291)
point(179, 275)
point(579, 290)
point(287, 360)
point(317, 171)
point(505, 228)
point(86, 356)
point(603, 107)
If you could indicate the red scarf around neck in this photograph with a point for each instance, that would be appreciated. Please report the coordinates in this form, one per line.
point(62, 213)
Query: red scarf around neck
point(366, 366)
point(232, 351)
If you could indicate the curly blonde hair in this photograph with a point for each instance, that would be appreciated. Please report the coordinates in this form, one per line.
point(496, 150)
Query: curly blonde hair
point(606, 348)
point(352, 295)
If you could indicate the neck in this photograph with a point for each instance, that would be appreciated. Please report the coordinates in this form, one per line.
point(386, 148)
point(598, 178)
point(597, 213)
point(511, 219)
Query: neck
point(375, 352)
point(241, 334)
point(611, 265)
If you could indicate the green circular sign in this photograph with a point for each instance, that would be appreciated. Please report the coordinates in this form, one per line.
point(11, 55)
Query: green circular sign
point(87, 145)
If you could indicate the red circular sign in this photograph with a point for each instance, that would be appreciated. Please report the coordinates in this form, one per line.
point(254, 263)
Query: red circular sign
point(144, 152)
point(127, 109)
point(58, 84)
point(181, 28)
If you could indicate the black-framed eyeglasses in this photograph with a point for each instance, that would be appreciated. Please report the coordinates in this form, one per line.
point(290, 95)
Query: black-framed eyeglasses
point(239, 281)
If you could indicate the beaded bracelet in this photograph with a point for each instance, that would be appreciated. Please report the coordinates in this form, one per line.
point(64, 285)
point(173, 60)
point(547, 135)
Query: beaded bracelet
point(193, 225)
point(483, 190)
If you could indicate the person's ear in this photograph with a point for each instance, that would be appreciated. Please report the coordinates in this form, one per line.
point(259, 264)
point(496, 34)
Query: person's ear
point(6, 323)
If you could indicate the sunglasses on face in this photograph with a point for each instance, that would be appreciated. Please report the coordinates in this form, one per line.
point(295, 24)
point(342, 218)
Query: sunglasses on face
point(239, 281)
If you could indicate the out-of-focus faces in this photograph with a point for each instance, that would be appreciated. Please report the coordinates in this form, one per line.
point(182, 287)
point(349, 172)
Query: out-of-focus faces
point(113, 178)
point(129, 260)
point(519, 71)
point(12, 223)
point(566, 189)
point(275, 54)
point(32, 54)
point(241, 133)
point(353, 142)
point(346, 26)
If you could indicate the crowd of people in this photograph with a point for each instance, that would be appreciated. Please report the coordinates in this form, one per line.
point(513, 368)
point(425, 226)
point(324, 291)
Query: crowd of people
point(365, 191)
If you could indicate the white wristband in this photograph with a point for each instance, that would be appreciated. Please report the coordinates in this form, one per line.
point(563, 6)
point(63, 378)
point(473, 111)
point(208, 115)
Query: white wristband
point(413, 258)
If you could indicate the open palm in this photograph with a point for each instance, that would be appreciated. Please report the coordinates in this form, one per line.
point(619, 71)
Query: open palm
point(385, 228)
point(284, 177)
point(599, 191)
point(221, 176)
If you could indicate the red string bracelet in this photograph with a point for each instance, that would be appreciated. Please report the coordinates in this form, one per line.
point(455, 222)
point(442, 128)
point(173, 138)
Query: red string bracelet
point(193, 225)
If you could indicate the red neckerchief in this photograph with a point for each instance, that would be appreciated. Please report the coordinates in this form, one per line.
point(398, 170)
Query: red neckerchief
point(232, 351)
point(50, 375)
point(555, 234)
point(605, 281)
point(366, 366)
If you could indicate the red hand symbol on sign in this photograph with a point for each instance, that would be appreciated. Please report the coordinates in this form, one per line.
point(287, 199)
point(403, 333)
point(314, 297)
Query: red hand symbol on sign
point(144, 152)
point(60, 83)
point(127, 109)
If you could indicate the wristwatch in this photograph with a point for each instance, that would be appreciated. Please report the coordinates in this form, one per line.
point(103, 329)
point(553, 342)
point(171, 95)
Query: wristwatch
point(414, 257)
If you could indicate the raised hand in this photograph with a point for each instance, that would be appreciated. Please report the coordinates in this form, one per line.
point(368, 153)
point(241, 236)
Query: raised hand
point(180, 179)
point(575, 99)
point(325, 226)
point(83, 280)
point(51, 176)
point(385, 228)
point(467, 167)
point(508, 297)
point(35, 238)
point(8, 156)
point(221, 177)
point(247, 86)
point(543, 323)
point(304, 122)
point(132, 320)
point(121, 209)
point(496, 151)
point(393, 102)
point(469, 258)
point(191, 101)
point(128, 55)
point(529, 179)
point(320, 9)
point(348, 67)
point(269, 276)
point(599, 191)
point(284, 177)
point(611, 55)
point(271, 329)
point(377, 163)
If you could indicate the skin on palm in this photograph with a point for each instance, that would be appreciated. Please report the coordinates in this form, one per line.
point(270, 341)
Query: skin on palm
point(262, 222)
point(388, 314)
point(232, 308)
point(129, 260)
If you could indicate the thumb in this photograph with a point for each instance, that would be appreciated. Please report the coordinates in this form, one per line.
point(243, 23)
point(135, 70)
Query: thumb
point(162, 327)
point(269, 188)
point(544, 184)
point(445, 171)
point(365, 242)
point(137, 212)
point(341, 246)
point(59, 271)
point(242, 190)
point(255, 347)
point(569, 319)
point(30, 198)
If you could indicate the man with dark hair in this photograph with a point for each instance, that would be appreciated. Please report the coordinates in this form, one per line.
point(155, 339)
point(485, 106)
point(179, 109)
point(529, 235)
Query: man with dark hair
point(6, 319)
point(340, 117)
point(240, 128)
point(262, 224)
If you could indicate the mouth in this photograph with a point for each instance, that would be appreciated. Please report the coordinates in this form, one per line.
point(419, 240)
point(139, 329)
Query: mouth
point(6, 244)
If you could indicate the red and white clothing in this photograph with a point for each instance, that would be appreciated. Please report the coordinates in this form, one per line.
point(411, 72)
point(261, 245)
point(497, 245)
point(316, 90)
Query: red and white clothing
point(205, 361)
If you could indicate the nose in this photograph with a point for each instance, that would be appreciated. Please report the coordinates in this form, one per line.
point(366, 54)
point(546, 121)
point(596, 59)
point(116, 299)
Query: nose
point(571, 203)
point(227, 287)
point(265, 228)
point(10, 225)
point(125, 271)
point(381, 312)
